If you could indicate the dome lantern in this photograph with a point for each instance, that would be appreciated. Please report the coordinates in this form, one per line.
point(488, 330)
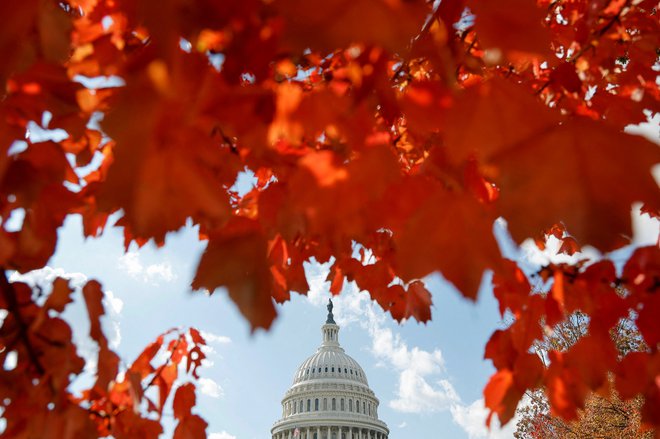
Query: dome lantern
point(330, 329)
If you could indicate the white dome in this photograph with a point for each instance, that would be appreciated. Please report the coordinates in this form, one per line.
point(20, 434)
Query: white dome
point(330, 362)
point(330, 396)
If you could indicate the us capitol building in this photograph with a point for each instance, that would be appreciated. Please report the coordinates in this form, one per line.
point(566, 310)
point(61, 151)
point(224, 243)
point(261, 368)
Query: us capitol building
point(330, 397)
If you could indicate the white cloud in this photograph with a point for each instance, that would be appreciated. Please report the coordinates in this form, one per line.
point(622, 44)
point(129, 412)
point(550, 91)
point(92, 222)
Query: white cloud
point(420, 389)
point(404, 424)
point(221, 435)
point(210, 337)
point(130, 262)
point(209, 388)
point(153, 273)
point(113, 306)
point(416, 392)
point(45, 276)
point(209, 349)
point(472, 419)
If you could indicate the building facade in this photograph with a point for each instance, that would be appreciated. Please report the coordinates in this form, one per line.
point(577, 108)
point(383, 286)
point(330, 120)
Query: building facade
point(330, 397)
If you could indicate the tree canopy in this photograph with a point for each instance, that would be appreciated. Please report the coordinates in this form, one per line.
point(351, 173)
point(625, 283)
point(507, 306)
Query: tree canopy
point(385, 136)
point(604, 414)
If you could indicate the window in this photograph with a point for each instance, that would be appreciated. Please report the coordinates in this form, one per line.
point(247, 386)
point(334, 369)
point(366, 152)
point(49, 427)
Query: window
point(326, 368)
point(301, 406)
point(294, 408)
point(369, 409)
point(325, 403)
point(309, 405)
point(316, 404)
point(364, 407)
point(345, 371)
point(350, 405)
point(357, 406)
point(334, 404)
point(333, 368)
point(343, 408)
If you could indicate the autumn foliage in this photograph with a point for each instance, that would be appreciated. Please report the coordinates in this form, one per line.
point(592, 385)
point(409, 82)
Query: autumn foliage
point(385, 136)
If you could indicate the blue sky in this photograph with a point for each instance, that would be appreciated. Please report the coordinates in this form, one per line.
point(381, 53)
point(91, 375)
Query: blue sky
point(428, 378)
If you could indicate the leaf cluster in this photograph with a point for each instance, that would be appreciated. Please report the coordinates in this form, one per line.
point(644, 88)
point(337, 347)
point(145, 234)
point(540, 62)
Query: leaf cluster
point(385, 136)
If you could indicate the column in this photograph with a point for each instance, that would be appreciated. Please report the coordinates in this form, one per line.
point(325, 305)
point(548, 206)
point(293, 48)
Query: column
point(289, 434)
point(318, 432)
point(340, 432)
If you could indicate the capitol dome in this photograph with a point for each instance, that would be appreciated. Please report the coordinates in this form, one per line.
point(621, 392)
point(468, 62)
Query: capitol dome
point(330, 396)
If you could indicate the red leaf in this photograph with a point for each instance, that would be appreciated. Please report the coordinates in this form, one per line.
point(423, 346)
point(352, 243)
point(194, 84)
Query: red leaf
point(164, 380)
point(419, 302)
point(196, 337)
point(60, 296)
point(94, 299)
point(142, 365)
point(511, 288)
point(184, 401)
point(191, 427)
point(501, 396)
point(564, 74)
point(336, 278)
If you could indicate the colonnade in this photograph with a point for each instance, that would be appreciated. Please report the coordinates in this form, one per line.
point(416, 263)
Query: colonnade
point(330, 432)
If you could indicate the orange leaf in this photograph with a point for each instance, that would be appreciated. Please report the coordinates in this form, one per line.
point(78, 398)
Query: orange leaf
point(108, 361)
point(336, 278)
point(588, 180)
point(94, 300)
point(164, 380)
point(492, 116)
point(501, 396)
point(236, 259)
point(336, 23)
point(511, 25)
point(569, 246)
point(142, 365)
point(450, 233)
point(128, 425)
